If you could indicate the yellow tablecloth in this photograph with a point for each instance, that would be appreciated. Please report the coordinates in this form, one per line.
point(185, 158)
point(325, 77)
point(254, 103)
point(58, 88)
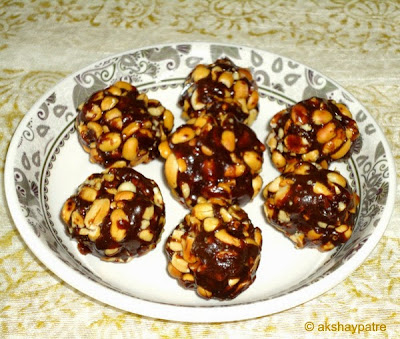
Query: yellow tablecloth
point(356, 42)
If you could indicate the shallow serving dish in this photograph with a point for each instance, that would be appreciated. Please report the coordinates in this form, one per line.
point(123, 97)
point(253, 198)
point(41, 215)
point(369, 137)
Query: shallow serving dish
point(45, 164)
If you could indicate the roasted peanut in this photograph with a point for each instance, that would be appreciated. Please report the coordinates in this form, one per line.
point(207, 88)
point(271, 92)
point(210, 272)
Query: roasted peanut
point(112, 114)
point(130, 149)
point(131, 128)
point(225, 237)
point(156, 111)
point(278, 159)
point(171, 170)
point(77, 219)
point(321, 117)
point(327, 133)
point(313, 235)
point(252, 102)
point(124, 85)
point(68, 208)
point(203, 210)
point(182, 135)
point(175, 246)
point(88, 194)
point(226, 78)
point(124, 195)
point(205, 293)
point(97, 213)
point(127, 186)
point(114, 90)
point(336, 178)
point(206, 150)
point(320, 188)
point(111, 251)
point(283, 216)
point(108, 103)
point(180, 264)
point(96, 97)
point(210, 224)
point(299, 114)
point(110, 142)
point(281, 194)
point(200, 72)
point(94, 113)
point(149, 212)
point(118, 233)
point(344, 110)
point(341, 228)
point(256, 183)
point(173, 271)
point(311, 156)
point(164, 149)
point(94, 233)
point(228, 140)
point(241, 89)
point(185, 190)
point(274, 186)
point(253, 159)
point(197, 105)
point(168, 120)
point(146, 235)
point(94, 126)
point(342, 151)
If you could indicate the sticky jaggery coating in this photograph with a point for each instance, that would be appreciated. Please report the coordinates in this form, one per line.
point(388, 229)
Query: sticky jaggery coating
point(215, 250)
point(314, 130)
point(220, 82)
point(313, 207)
point(119, 123)
point(115, 215)
point(209, 158)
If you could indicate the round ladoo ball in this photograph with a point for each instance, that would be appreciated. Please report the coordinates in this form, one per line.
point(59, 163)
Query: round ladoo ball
point(119, 123)
point(209, 158)
point(209, 86)
point(314, 130)
point(215, 250)
point(313, 207)
point(115, 215)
